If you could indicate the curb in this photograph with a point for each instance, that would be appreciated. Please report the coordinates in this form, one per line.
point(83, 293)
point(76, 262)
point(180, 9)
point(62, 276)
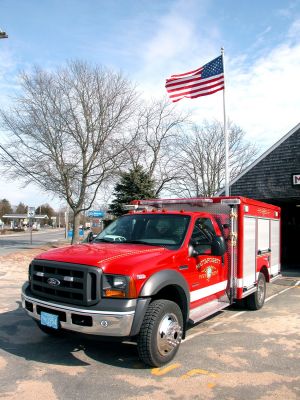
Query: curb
point(28, 232)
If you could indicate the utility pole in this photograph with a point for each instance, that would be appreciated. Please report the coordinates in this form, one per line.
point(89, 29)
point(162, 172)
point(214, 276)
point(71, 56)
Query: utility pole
point(30, 216)
point(67, 222)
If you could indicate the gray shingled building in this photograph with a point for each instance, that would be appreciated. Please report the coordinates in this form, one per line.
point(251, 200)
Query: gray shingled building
point(275, 178)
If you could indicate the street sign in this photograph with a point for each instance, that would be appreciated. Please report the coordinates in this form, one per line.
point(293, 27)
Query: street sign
point(31, 212)
point(296, 179)
point(96, 214)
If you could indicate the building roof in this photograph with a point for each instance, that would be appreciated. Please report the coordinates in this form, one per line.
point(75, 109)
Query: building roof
point(262, 157)
point(24, 216)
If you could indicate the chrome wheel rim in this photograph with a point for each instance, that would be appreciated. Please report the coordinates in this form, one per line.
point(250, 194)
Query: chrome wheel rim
point(169, 334)
point(260, 291)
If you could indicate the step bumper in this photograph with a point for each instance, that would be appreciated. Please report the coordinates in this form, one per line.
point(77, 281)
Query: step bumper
point(93, 322)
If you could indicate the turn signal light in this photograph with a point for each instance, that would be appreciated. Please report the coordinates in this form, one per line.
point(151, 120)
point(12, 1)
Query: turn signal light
point(118, 286)
point(114, 293)
point(132, 289)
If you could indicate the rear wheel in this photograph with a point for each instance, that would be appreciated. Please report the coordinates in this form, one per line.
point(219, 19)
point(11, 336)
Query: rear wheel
point(256, 300)
point(161, 333)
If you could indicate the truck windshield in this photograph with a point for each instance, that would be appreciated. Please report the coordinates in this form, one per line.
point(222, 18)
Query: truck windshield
point(166, 230)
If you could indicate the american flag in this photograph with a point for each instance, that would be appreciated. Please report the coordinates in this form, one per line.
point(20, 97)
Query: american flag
point(203, 81)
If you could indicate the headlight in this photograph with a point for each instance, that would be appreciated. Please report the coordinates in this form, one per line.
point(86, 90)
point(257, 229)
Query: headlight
point(118, 286)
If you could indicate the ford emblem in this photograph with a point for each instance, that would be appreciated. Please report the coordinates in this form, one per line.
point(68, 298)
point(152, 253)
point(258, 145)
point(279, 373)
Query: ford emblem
point(53, 281)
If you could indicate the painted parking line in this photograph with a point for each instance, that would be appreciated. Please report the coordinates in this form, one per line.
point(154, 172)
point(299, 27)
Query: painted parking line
point(197, 371)
point(282, 291)
point(192, 336)
point(164, 370)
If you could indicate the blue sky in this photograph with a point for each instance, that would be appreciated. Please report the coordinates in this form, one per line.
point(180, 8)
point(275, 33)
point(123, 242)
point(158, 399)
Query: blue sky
point(149, 40)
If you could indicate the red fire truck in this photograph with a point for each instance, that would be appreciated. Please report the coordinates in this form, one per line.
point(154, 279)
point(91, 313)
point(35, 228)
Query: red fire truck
point(160, 267)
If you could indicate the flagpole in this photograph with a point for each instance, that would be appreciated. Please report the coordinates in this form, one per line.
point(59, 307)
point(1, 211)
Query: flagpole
point(225, 135)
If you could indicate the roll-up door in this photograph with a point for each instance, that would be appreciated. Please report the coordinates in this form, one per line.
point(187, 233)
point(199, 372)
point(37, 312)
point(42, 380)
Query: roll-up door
point(275, 247)
point(249, 254)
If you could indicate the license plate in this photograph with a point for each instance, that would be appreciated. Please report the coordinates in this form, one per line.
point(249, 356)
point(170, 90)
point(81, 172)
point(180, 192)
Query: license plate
point(49, 320)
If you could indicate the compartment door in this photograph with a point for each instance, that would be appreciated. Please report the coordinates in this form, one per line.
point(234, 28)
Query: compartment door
point(249, 253)
point(275, 247)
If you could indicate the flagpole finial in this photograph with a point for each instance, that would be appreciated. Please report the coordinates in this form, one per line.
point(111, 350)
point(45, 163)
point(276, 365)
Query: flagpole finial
point(222, 50)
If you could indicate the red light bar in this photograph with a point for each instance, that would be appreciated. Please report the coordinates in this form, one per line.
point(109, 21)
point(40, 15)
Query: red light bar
point(231, 201)
point(160, 202)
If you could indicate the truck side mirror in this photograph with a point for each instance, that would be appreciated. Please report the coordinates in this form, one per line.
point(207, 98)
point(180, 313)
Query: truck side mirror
point(218, 246)
point(192, 251)
point(196, 250)
point(90, 237)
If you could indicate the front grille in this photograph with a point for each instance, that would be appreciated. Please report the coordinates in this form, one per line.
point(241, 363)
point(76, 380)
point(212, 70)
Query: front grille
point(70, 283)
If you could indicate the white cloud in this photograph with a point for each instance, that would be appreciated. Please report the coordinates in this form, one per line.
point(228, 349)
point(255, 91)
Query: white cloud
point(262, 93)
point(264, 98)
point(6, 62)
point(262, 86)
point(288, 10)
point(294, 30)
point(260, 38)
point(180, 44)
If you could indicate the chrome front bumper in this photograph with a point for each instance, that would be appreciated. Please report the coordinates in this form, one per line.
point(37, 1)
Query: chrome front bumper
point(103, 323)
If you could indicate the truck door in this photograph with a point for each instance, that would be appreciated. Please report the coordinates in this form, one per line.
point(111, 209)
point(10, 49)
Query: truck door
point(208, 271)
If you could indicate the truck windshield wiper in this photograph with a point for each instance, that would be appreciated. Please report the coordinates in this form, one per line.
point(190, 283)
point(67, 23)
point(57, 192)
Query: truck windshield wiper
point(104, 240)
point(141, 242)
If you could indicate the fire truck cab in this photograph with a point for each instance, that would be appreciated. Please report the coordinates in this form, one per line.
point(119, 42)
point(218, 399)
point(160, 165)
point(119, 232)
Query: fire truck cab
point(166, 264)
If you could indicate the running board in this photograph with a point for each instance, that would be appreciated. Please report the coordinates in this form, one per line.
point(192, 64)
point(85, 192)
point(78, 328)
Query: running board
point(204, 311)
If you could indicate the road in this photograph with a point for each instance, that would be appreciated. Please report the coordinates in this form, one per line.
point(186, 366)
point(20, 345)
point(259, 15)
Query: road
point(20, 241)
point(235, 355)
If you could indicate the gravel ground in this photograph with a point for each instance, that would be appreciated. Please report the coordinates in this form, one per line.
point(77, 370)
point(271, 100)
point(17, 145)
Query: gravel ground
point(236, 354)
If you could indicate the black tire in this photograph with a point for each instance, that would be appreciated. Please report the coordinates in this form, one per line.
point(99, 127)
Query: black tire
point(256, 300)
point(49, 331)
point(158, 349)
point(239, 304)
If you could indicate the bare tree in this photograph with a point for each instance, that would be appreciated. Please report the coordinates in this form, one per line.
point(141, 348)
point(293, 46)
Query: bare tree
point(201, 163)
point(64, 132)
point(155, 133)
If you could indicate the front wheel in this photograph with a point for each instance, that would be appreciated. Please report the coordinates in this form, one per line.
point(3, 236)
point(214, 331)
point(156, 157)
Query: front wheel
point(161, 333)
point(256, 300)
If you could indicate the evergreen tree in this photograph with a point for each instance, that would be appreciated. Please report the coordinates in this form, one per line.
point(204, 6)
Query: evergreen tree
point(134, 185)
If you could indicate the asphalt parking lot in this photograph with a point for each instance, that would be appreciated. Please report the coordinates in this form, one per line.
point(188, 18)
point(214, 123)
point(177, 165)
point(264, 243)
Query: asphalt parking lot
point(13, 242)
point(236, 354)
